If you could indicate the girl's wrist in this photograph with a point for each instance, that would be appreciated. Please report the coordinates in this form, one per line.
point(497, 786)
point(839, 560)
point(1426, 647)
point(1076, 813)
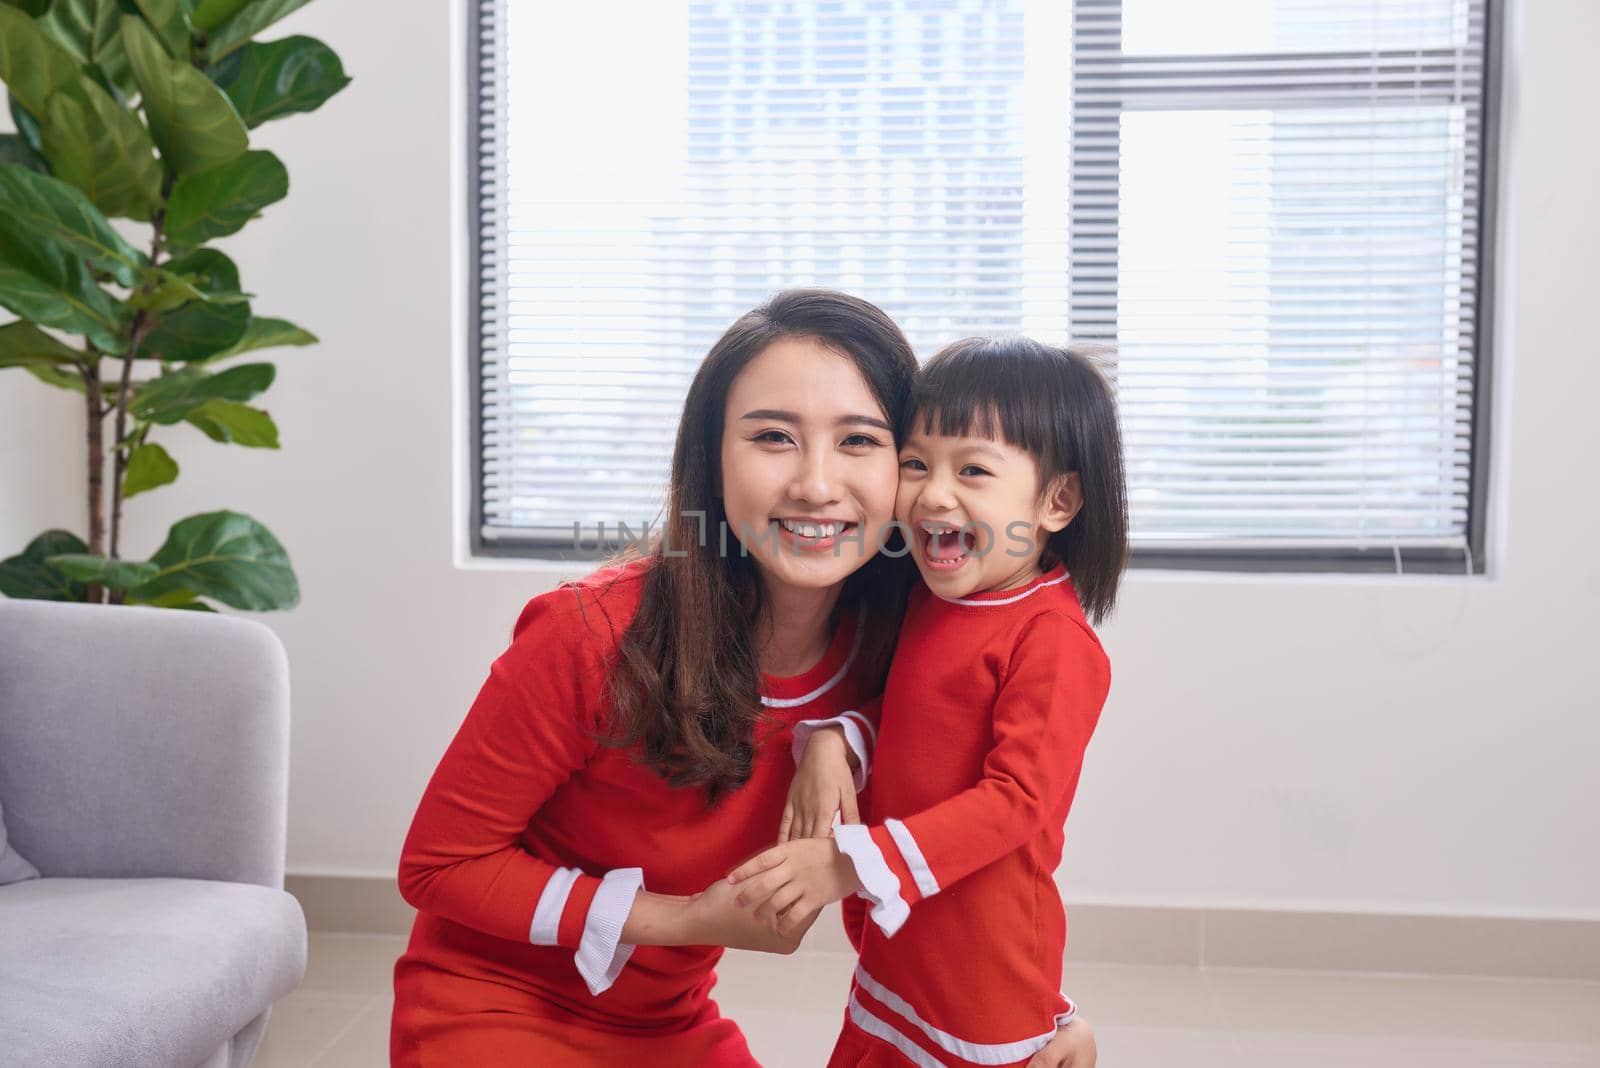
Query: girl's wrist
point(833, 736)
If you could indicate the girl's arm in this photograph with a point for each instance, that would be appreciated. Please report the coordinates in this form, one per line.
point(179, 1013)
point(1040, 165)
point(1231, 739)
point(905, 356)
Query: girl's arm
point(832, 758)
point(858, 728)
point(529, 729)
point(1047, 708)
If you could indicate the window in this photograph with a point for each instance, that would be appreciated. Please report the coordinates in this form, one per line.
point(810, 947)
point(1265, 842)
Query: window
point(1273, 211)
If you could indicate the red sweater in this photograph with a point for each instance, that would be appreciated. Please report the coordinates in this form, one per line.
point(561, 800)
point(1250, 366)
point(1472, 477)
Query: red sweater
point(532, 837)
point(989, 706)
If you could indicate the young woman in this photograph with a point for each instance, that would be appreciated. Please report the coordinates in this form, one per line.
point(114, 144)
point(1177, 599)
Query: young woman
point(632, 744)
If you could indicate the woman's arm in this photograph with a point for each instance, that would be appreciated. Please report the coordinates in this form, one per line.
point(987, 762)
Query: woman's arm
point(527, 732)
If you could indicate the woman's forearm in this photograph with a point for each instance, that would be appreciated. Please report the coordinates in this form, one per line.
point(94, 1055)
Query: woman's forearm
point(657, 920)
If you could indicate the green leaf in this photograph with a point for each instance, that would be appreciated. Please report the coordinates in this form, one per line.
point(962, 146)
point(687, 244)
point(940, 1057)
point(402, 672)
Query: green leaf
point(192, 121)
point(32, 7)
point(30, 63)
point(170, 397)
point(200, 328)
point(268, 80)
point(88, 29)
point(209, 14)
point(251, 19)
point(236, 424)
point(54, 375)
point(220, 200)
point(27, 125)
point(171, 599)
point(55, 210)
point(46, 284)
point(170, 25)
point(225, 556)
point(28, 576)
point(266, 333)
point(94, 143)
point(25, 345)
point(149, 466)
point(17, 152)
point(112, 574)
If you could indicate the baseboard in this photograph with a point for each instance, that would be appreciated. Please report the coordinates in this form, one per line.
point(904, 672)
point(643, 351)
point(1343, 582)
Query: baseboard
point(1122, 934)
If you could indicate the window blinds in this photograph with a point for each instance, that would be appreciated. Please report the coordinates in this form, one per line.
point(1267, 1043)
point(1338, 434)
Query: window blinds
point(1268, 208)
point(1275, 219)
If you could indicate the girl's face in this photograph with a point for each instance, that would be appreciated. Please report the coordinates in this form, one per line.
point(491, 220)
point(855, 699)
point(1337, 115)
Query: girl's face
point(975, 511)
point(809, 469)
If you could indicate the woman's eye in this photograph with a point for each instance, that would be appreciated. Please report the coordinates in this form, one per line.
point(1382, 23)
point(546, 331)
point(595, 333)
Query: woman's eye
point(776, 437)
point(860, 440)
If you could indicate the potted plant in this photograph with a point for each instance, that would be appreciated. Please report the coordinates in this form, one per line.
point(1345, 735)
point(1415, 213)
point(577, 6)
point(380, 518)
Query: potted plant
point(142, 110)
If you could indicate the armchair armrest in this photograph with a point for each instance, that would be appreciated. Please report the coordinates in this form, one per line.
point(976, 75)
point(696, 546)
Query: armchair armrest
point(139, 741)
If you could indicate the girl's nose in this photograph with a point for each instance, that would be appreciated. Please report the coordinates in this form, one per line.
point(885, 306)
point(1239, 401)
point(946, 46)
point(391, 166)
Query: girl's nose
point(936, 495)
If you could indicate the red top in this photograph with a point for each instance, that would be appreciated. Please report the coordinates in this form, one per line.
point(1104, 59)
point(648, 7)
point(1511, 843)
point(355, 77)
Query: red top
point(989, 705)
point(526, 807)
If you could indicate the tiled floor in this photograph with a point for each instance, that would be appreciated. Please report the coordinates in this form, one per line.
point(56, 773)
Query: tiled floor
point(1144, 1017)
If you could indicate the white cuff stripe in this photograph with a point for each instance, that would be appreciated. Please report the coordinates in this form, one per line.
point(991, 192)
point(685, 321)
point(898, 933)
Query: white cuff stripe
point(889, 909)
point(601, 953)
point(866, 725)
point(927, 885)
point(552, 903)
point(972, 1052)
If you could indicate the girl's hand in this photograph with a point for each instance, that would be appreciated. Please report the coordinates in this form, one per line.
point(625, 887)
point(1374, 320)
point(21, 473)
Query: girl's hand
point(1072, 1047)
point(714, 917)
point(823, 784)
point(794, 881)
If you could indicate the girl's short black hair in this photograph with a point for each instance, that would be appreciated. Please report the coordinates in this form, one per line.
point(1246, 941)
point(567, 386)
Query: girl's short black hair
point(1056, 405)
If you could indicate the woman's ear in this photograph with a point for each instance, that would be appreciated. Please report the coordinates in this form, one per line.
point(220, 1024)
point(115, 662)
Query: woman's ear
point(1062, 502)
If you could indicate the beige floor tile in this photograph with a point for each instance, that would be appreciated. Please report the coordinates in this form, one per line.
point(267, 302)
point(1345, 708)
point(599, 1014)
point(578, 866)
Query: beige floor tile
point(305, 1023)
point(1144, 1016)
point(365, 1043)
point(352, 963)
point(1179, 998)
point(1344, 1005)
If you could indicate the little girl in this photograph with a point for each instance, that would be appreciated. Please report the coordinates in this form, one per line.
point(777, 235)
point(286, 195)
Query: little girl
point(1012, 499)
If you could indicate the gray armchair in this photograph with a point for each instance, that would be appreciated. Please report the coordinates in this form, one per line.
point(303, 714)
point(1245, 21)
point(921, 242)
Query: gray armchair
point(144, 771)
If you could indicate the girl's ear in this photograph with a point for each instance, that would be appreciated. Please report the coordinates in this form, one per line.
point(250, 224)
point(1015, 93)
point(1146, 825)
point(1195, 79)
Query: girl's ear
point(1063, 501)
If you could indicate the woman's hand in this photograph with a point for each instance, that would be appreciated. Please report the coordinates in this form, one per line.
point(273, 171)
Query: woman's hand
point(797, 878)
point(823, 785)
point(715, 918)
point(1072, 1047)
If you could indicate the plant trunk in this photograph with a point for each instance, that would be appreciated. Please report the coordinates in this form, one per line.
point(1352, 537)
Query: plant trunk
point(97, 507)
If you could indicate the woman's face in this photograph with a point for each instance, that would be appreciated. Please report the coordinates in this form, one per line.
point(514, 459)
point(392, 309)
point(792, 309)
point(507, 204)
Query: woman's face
point(809, 468)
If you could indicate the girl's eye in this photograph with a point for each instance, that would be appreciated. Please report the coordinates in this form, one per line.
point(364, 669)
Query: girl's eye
point(972, 470)
point(860, 440)
point(776, 437)
point(912, 464)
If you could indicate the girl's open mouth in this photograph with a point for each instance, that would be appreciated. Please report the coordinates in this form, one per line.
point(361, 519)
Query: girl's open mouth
point(946, 547)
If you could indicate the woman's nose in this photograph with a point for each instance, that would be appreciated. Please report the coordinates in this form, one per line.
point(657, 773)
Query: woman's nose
point(816, 481)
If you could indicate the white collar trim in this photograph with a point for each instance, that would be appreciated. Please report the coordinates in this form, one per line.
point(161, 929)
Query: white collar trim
point(838, 676)
point(1002, 600)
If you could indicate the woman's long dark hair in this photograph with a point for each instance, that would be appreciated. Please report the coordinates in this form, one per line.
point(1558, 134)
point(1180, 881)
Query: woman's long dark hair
point(686, 685)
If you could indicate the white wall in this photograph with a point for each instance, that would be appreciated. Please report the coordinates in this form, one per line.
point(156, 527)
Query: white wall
point(1414, 744)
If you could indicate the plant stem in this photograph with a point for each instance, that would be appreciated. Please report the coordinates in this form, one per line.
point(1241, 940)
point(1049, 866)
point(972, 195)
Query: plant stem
point(142, 324)
point(97, 515)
